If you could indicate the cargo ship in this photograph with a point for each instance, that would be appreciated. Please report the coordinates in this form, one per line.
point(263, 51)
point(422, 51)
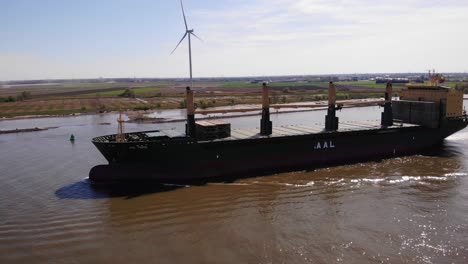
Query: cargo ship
point(422, 118)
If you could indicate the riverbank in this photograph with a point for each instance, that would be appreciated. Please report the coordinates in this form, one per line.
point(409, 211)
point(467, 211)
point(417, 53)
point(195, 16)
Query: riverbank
point(45, 116)
point(150, 116)
point(22, 130)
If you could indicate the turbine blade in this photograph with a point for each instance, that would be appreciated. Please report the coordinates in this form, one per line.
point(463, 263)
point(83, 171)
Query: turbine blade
point(179, 42)
point(183, 14)
point(196, 36)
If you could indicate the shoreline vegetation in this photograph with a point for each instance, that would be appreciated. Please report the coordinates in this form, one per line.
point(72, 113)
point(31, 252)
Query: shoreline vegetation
point(141, 118)
point(22, 130)
point(62, 100)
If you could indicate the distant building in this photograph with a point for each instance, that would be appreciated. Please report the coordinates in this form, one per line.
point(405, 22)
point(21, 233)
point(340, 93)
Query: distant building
point(393, 80)
point(256, 81)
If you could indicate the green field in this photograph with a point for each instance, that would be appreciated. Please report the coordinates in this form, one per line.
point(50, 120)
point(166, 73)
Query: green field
point(71, 87)
point(450, 84)
point(364, 84)
point(111, 85)
point(137, 91)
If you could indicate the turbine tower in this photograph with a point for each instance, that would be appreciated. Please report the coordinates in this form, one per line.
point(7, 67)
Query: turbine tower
point(188, 32)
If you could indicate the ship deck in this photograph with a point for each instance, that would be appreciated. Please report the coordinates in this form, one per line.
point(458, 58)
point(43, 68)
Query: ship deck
point(295, 130)
point(252, 133)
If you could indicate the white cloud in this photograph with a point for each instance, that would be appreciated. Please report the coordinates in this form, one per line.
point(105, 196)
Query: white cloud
point(314, 37)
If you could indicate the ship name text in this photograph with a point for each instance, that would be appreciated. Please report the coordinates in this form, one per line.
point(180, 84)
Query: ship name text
point(324, 145)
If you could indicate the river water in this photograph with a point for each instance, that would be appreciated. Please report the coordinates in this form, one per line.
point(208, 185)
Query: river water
point(403, 210)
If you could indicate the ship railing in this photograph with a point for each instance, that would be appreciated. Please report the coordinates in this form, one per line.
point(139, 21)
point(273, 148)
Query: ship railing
point(103, 139)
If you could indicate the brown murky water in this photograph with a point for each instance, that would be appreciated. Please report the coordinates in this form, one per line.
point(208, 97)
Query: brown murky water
point(404, 210)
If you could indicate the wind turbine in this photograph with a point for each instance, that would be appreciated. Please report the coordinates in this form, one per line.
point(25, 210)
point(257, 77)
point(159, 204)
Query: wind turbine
point(188, 32)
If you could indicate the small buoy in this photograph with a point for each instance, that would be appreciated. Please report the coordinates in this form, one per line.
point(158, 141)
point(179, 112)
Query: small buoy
point(72, 137)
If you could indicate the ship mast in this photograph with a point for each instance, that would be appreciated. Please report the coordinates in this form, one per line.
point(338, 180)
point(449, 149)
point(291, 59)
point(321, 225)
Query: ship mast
point(120, 137)
point(435, 78)
point(331, 120)
point(266, 126)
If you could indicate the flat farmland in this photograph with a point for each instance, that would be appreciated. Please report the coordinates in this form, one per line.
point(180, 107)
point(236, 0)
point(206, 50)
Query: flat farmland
point(69, 106)
point(66, 99)
point(76, 88)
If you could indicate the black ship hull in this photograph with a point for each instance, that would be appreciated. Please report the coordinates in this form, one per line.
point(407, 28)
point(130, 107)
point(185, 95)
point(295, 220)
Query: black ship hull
point(184, 159)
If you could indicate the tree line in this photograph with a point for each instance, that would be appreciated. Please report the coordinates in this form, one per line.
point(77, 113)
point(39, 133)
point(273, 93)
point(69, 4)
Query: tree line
point(20, 97)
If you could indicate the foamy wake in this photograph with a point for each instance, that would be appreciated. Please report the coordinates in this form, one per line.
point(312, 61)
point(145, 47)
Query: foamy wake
point(367, 180)
point(397, 179)
point(458, 136)
point(372, 181)
point(455, 174)
point(417, 179)
point(311, 183)
point(424, 180)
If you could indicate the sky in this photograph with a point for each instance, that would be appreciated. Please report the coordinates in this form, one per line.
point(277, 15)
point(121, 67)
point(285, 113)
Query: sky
point(51, 39)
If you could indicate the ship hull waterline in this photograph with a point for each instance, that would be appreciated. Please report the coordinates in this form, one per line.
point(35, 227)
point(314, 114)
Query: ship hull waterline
point(191, 160)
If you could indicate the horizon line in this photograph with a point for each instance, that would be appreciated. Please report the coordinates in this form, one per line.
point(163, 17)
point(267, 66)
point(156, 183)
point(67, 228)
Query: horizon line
point(223, 77)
